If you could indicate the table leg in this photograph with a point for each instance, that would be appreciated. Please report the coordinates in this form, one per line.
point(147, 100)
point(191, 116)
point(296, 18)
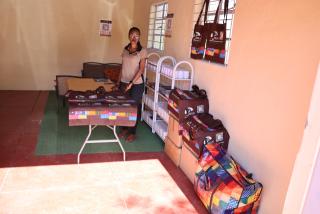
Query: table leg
point(116, 140)
point(116, 135)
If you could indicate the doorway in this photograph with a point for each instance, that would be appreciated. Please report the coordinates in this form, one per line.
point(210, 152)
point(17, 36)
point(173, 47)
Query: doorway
point(303, 189)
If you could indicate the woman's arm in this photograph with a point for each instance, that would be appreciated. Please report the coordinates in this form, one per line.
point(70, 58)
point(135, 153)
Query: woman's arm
point(140, 71)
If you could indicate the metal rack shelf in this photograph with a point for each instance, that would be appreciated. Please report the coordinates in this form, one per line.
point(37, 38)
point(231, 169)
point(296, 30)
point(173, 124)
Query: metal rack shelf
point(158, 107)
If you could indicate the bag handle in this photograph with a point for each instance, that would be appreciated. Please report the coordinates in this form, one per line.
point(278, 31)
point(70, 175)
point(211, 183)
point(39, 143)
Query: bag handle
point(206, 181)
point(205, 4)
point(217, 13)
point(225, 11)
point(246, 178)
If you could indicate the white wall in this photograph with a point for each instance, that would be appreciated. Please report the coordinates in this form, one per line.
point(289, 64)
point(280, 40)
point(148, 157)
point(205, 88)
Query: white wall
point(42, 38)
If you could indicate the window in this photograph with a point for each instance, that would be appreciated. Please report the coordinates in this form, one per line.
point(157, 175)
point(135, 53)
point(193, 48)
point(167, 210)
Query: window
point(157, 20)
point(210, 18)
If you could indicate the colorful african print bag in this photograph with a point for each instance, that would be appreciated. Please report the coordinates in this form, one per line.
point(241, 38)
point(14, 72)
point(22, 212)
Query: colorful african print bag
point(223, 185)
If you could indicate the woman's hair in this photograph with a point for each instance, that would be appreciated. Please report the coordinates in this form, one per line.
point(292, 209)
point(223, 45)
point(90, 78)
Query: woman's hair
point(132, 30)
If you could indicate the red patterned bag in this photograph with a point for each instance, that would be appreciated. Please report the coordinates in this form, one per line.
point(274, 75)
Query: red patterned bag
point(200, 34)
point(216, 36)
point(202, 129)
point(183, 103)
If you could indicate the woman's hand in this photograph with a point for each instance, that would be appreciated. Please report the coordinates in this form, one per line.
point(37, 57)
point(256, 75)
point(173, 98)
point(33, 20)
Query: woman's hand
point(128, 87)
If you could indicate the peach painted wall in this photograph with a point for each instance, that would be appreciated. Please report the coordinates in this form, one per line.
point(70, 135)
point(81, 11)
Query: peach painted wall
point(263, 95)
point(42, 38)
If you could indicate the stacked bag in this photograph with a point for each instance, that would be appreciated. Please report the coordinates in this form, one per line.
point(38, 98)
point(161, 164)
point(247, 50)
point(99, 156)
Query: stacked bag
point(221, 183)
point(202, 129)
point(183, 103)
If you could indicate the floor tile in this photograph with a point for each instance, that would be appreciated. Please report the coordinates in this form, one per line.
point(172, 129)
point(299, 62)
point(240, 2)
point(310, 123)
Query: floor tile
point(3, 176)
point(6, 137)
point(93, 199)
point(155, 192)
point(18, 98)
point(137, 168)
point(55, 177)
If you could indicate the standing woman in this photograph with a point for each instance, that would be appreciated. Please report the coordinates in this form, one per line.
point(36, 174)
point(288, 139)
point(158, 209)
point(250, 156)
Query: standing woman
point(131, 79)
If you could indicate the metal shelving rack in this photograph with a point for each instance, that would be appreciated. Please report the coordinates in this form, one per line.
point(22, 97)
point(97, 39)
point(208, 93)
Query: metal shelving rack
point(168, 75)
point(161, 126)
point(150, 79)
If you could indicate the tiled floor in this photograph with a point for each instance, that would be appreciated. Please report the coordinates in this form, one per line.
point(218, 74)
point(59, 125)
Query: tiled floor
point(142, 186)
point(145, 183)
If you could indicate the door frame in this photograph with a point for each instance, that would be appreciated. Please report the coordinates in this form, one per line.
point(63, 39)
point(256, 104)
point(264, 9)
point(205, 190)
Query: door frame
point(306, 159)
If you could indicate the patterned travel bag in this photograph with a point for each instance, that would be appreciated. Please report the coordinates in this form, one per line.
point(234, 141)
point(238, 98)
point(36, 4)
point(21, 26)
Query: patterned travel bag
point(183, 103)
point(223, 185)
point(202, 129)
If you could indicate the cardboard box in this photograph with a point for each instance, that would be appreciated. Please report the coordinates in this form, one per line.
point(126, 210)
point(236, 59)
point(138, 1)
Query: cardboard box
point(188, 162)
point(173, 151)
point(173, 131)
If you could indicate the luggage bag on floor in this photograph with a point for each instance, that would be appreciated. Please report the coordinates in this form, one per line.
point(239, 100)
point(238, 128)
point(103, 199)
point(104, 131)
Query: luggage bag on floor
point(202, 129)
point(223, 186)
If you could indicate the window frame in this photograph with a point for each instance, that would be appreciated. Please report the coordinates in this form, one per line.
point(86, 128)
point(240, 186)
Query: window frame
point(153, 22)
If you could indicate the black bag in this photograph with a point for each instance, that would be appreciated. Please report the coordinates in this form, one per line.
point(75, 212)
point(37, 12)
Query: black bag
point(200, 34)
point(93, 70)
point(216, 36)
point(202, 129)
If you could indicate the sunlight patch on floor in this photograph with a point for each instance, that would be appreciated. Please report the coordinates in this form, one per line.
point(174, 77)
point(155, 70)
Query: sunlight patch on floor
point(142, 186)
